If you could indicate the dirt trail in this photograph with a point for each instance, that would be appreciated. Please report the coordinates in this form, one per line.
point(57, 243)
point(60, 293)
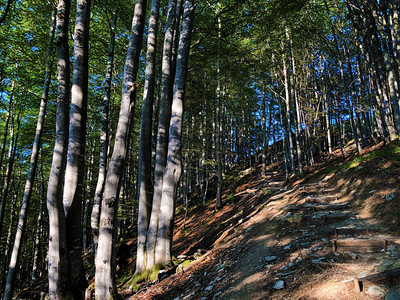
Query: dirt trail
point(284, 249)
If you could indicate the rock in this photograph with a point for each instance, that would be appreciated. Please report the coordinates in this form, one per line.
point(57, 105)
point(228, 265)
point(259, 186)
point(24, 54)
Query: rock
point(249, 228)
point(376, 292)
point(216, 295)
point(372, 191)
point(291, 265)
point(363, 274)
point(270, 258)
point(318, 260)
point(279, 285)
point(353, 255)
point(390, 197)
point(209, 288)
point(287, 247)
point(393, 251)
point(392, 296)
point(182, 257)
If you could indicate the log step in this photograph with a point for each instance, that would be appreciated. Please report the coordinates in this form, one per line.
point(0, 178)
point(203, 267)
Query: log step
point(312, 185)
point(327, 207)
point(354, 231)
point(357, 283)
point(327, 198)
point(319, 192)
point(328, 218)
point(359, 245)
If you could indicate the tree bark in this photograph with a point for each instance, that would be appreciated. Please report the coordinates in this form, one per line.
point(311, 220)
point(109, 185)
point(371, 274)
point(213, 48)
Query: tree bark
point(105, 258)
point(162, 134)
point(57, 255)
point(74, 172)
point(174, 160)
point(145, 190)
point(104, 136)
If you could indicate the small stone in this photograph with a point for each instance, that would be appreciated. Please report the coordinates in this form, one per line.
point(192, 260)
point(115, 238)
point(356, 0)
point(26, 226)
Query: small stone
point(216, 295)
point(390, 197)
point(249, 228)
point(372, 191)
point(376, 291)
point(363, 274)
point(209, 288)
point(270, 258)
point(287, 247)
point(291, 265)
point(392, 296)
point(279, 285)
point(353, 255)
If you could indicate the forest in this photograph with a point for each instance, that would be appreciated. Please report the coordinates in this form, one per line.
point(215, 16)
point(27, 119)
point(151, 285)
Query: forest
point(117, 114)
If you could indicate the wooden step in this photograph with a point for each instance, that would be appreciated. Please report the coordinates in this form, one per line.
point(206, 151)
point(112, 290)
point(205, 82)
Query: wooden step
point(329, 217)
point(359, 245)
point(358, 283)
point(326, 207)
point(312, 185)
point(318, 192)
point(354, 231)
point(327, 198)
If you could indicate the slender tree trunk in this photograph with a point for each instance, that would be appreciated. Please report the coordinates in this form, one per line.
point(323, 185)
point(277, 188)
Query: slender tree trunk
point(162, 135)
point(264, 134)
point(4, 143)
point(8, 172)
point(173, 169)
point(145, 190)
point(105, 258)
point(75, 169)
point(290, 153)
point(31, 174)
point(104, 136)
point(36, 270)
point(5, 11)
point(57, 255)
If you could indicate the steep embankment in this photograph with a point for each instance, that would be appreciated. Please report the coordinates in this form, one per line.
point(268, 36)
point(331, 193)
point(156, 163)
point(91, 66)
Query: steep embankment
point(306, 239)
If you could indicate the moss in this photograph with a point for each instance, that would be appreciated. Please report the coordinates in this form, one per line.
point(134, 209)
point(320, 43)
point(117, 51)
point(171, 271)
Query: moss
point(147, 275)
point(186, 262)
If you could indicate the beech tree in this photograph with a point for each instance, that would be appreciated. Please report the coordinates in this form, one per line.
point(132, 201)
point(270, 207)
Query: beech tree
point(105, 257)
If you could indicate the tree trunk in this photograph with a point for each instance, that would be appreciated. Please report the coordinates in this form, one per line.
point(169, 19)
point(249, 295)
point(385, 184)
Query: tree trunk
point(23, 215)
point(173, 169)
point(105, 258)
point(74, 172)
point(162, 135)
point(57, 255)
point(145, 190)
point(10, 158)
point(5, 11)
point(104, 137)
point(290, 153)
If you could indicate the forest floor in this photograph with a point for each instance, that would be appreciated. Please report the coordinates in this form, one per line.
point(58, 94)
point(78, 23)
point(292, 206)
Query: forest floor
point(273, 238)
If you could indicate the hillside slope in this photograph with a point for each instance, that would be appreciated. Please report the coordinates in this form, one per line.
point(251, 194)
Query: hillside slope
point(289, 240)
